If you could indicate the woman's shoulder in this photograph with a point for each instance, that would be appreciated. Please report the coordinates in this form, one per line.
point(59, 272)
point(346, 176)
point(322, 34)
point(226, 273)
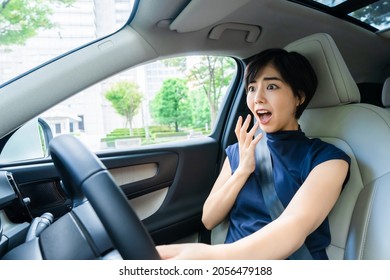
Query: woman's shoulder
point(231, 149)
point(321, 151)
point(232, 152)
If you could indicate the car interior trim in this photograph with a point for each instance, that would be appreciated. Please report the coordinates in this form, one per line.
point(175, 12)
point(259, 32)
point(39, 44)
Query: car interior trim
point(210, 11)
point(131, 174)
point(148, 204)
point(253, 31)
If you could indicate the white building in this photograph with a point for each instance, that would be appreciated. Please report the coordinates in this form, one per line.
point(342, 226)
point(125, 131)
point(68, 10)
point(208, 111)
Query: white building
point(87, 114)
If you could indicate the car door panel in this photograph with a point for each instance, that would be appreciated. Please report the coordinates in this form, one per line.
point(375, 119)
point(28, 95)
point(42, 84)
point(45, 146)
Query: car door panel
point(140, 172)
point(189, 181)
point(166, 185)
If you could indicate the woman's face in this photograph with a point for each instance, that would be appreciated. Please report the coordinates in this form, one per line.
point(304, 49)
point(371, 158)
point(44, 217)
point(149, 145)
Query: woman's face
point(272, 101)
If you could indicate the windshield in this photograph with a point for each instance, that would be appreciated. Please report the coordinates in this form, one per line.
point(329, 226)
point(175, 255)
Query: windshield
point(35, 31)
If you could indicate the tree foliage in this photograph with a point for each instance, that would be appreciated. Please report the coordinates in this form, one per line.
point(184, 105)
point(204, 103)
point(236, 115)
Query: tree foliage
point(209, 75)
point(170, 105)
point(200, 109)
point(212, 74)
point(21, 19)
point(126, 99)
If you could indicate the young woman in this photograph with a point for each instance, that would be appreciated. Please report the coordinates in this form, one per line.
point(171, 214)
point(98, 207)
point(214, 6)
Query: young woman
point(308, 174)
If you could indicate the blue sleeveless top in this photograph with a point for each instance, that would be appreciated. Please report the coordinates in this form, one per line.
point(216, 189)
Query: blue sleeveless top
point(293, 156)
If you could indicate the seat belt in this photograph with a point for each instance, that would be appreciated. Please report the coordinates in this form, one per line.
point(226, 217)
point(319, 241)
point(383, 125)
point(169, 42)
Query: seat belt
point(271, 199)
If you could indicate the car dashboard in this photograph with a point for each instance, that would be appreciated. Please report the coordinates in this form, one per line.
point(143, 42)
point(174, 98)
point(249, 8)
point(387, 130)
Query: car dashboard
point(78, 234)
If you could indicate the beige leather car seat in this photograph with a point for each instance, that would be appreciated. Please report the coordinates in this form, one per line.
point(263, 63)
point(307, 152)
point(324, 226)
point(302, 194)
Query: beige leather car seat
point(360, 221)
point(386, 94)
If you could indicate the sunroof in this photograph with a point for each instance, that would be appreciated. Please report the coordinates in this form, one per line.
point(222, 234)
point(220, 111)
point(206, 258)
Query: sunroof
point(330, 3)
point(374, 15)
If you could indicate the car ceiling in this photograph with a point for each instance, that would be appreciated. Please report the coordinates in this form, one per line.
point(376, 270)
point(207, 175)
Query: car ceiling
point(182, 26)
point(172, 27)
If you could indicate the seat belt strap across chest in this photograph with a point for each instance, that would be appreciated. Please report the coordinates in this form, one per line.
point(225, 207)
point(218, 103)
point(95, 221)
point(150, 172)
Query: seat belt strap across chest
point(271, 199)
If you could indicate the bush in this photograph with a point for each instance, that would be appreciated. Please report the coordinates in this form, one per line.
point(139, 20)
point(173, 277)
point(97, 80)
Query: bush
point(121, 133)
point(156, 133)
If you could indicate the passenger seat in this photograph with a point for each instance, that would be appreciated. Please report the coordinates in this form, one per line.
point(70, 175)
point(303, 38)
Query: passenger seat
point(386, 94)
point(359, 222)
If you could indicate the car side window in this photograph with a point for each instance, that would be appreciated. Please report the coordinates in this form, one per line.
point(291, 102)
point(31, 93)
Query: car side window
point(30, 141)
point(163, 101)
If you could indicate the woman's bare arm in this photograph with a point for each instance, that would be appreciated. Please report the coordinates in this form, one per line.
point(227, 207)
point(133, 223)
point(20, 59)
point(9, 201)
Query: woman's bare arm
point(222, 196)
point(228, 185)
point(306, 211)
point(279, 239)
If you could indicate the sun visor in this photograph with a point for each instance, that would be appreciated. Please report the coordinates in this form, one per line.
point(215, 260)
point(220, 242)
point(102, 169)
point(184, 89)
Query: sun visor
point(199, 14)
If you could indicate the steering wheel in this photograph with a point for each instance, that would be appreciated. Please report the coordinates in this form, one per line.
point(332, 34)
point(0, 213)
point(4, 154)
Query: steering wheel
point(86, 178)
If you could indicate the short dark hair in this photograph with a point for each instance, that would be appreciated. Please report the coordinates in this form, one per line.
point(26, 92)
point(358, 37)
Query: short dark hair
point(294, 68)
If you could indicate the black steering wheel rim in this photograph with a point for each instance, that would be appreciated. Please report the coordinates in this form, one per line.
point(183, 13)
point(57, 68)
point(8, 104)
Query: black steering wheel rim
point(86, 178)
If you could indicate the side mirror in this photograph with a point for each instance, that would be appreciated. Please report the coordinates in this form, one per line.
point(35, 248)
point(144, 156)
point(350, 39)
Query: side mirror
point(30, 141)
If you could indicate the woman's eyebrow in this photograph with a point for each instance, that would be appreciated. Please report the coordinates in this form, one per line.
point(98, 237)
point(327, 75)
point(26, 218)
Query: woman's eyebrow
point(272, 78)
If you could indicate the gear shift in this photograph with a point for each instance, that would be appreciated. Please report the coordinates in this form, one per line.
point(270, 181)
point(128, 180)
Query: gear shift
point(38, 225)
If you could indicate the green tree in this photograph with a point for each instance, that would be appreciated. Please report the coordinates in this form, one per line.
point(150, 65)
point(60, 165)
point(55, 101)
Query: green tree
point(212, 74)
point(126, 98)
point(200, 109)
point(21, 19)
point(170, 105)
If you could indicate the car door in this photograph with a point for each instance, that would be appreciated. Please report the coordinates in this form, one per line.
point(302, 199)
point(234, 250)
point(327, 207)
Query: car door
point(166, 183)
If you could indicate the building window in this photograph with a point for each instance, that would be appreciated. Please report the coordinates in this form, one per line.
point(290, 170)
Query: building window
point(58, 128)
point(81, 122)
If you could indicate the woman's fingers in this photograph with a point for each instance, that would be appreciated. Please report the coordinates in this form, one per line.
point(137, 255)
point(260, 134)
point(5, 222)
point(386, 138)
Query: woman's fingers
point(241, 129)
point(242, 134)
point(257, 139)
point(238, 127)
point(168, 251)
point(253, 130)
point(244, 127)
point(247, 142)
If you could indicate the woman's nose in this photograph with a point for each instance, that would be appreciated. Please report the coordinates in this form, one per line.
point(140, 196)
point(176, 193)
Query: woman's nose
point(259, 97)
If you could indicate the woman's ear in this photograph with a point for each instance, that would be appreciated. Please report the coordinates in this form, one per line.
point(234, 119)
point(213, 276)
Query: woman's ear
point(301, 98)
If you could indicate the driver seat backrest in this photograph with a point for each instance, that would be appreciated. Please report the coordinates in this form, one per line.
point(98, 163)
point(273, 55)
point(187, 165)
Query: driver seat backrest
point(386, 94)
point(359, 222)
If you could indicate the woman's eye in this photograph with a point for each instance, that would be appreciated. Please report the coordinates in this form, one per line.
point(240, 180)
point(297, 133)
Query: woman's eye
point(251, 88)
point(272, 87)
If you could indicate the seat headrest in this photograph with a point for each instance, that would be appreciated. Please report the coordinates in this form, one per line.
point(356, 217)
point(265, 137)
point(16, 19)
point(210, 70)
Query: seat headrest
point(386, 93)
point(335, 83)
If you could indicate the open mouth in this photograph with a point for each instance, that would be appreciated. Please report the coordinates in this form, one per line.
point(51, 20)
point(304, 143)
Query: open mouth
point(264, 116)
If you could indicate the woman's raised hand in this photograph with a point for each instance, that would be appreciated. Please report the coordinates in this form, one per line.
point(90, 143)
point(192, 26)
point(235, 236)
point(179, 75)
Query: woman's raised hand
point(247, 143)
